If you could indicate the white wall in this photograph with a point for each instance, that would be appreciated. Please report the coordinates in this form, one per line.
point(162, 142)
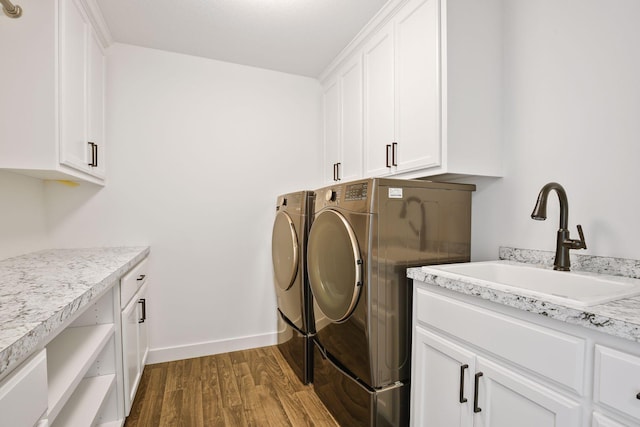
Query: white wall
point(22, 215)
point(198, 151)
point(572, 115)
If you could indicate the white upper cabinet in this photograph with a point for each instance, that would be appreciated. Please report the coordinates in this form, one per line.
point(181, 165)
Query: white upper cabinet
point(350, 79)
point(53, 126)
point(379, 128)
point(402, 117)
point(431, 88)
point(417, 94)
point(342, 100)
point(331, 130)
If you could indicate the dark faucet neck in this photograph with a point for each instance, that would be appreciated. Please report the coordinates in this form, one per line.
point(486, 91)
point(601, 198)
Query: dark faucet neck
point(540, 211)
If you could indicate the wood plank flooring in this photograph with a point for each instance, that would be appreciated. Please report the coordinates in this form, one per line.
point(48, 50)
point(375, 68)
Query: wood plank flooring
point(244, 388)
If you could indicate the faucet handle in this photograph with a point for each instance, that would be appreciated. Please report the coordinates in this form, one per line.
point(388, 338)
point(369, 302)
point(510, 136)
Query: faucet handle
point(582, 243)
point(576, 244)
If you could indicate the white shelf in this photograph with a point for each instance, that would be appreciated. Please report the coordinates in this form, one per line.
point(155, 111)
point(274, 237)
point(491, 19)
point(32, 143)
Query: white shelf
point(86, 402)
point(69, 357)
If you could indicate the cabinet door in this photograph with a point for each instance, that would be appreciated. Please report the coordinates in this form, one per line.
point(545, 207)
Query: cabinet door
point(441, 383)
point(130, 316)
point(507, 399)
point(74, 29)
point(331, 136)
point(95, 103)
point(143, 334)
point(379, 102)
point(617, 380)
point(417, 65)
point(350, 82)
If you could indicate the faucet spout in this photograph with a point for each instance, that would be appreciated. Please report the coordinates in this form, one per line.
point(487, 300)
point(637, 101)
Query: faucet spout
point(540, 210)
point(563, 240)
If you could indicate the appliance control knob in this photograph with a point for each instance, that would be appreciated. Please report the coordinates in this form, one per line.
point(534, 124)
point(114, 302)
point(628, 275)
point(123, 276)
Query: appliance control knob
point(330, 196)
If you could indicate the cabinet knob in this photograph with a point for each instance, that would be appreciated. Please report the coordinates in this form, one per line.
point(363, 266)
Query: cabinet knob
point(638, 396)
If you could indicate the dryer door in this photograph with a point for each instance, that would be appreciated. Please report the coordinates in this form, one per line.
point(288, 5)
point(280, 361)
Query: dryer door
point(334, 265)
point(284, 251)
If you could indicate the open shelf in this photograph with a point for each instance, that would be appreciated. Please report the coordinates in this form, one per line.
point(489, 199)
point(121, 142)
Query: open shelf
point(69, 357)
point(85, 404)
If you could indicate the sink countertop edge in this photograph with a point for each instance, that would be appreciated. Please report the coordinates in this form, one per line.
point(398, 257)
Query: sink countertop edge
point(619, 318)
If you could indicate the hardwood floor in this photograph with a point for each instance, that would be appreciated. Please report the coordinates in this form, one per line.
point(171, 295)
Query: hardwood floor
point(244, 388)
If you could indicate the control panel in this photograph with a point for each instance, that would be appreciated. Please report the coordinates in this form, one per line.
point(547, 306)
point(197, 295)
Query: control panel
point(357, 191)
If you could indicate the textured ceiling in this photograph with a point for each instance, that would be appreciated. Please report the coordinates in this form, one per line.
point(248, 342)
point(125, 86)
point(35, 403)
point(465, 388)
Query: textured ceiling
point(293, 36)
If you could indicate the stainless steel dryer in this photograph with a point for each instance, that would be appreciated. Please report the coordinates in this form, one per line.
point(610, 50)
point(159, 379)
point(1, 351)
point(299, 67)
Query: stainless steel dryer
point(288, 243)
point(364, 236)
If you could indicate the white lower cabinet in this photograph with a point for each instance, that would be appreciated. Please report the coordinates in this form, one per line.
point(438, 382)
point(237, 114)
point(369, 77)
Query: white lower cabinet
point(452, 386)
point(440, 387)
point(135, 344)
point(616, 385)
point(506, 399)
point(79, 378)
point(474, 367)
point(23, 394)
point(476, 363)
point(135, 340)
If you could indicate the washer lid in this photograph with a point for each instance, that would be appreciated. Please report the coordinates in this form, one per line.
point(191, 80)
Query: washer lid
point(334, 265)
point(284, 251)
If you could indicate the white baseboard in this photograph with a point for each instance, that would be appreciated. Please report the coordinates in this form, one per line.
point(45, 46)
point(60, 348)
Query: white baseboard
point(168, 354)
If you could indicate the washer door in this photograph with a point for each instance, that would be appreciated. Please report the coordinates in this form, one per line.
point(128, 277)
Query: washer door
point(334, 265)
point(284, 251)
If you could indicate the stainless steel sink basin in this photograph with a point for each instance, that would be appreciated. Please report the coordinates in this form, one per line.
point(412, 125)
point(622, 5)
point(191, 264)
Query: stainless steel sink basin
point(572, 288)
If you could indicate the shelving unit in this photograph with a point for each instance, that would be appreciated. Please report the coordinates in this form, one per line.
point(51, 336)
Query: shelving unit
point(81, 368)
point(65, 369)
point(87, 402)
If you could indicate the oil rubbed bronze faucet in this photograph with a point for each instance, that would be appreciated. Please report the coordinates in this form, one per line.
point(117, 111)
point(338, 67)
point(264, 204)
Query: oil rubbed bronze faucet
point(564, 241)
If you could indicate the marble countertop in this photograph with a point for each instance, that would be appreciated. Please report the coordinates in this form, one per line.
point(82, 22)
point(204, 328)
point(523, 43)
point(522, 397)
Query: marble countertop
point(618, 318)
point(41, 290)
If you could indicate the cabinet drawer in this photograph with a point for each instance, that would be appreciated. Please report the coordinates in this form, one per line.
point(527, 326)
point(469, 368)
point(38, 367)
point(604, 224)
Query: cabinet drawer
point(23, 394)
point(522, 343)
point(617, 380)
point(132, 281)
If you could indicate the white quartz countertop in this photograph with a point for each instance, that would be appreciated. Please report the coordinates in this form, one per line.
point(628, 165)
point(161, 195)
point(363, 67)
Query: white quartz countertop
point(41, 290)
point(619, 318)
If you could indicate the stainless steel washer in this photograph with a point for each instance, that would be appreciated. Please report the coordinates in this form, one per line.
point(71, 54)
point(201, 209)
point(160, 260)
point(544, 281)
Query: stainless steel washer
point(295, 321)
point(364, 236)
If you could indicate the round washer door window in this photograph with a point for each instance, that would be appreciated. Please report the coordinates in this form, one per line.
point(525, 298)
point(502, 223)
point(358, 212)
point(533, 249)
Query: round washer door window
point(284, 251)
point(334, 265)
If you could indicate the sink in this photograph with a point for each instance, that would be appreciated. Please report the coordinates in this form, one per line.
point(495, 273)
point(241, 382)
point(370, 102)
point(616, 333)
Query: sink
point(573, 288)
